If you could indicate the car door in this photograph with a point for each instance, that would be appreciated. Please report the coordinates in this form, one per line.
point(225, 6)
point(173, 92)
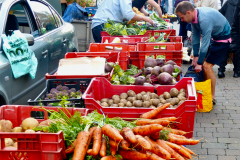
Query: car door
point(51, 32)
point(25, 87)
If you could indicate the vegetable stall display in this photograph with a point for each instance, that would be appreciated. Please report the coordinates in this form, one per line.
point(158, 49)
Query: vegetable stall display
point(96, 136)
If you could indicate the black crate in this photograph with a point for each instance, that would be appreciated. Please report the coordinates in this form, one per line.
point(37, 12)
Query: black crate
point(78, 84)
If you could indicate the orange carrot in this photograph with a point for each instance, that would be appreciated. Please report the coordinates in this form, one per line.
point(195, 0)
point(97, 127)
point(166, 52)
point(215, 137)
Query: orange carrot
point(133, 154)
point(108, 158)
point(178, 136)
point(113, 144)
point(113, 151)
point(125, 144)
point(169, 118)
point(179, 149)
point(173, 153)
point(161, 152)
point(175, 131)
point(187, 149)
point(142, 122)
point(128, 135)
point(97, 140)
point(143, 143)
point(147, 129)
point(103, 150)
point(83, 141)
point(181, 141)
point(70, 148)
point(152, 156)
point(153, 113)
point(111, 132)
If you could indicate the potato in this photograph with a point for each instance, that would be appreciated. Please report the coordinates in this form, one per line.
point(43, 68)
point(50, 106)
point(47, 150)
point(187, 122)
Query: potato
point(162, 100)
point(146, 104)
point(149, 93)
point(146, 97)
point(123, 96)
point(182, 94)
point(137, 103)
point(154, 96)
point(17, 129)
point(129, 104)
point(171, 101)
point(152, 106)
point(8, 142)
point(174, 92)
point(161, 96)
point(116, 100)
point(154, 102)
point(180, 103)
point(6, 126)
point(115, 96)
point(104, 104)
point(121, 105)
point(124, 101)
point(175, 106)
point(110, 102)
point(114, 105)
point(176, 100)
point(98, 102)
point(131, 93)
point(182, 90)
point(29, 123)
point(29, 131)
point(171, 106)
point(104, 100)
point(143, 93)
point(131, 99)
point(166, 95)
point(139, 96)
point(47, 122)
point(181, 97)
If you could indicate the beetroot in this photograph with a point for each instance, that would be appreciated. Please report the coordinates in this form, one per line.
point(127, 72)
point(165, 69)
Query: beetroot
point(150, 62)
point(167, 68)
point(165, 79)
point(140, 80)
point(171, 62)
point(156, 70)
point(148, 71)
point(160, 62)
point(108, 68)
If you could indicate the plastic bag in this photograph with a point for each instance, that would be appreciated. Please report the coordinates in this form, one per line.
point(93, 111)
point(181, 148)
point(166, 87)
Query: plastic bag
point(204, 96)
point(198, 77)
point(21, 58)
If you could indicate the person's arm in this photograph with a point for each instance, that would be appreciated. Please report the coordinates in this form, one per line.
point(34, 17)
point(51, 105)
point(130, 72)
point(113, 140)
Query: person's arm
point(155, 5)
point(195, 41)
point(144, 11)
point(235, 29)
point(142, 18)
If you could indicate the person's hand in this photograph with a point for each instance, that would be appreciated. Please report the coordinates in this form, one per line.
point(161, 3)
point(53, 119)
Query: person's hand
point(148, 19)
point(194, 61)
point(198, 68)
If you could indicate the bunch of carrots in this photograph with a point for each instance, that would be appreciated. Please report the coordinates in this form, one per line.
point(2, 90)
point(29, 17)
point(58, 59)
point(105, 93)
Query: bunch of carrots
point(149, 140)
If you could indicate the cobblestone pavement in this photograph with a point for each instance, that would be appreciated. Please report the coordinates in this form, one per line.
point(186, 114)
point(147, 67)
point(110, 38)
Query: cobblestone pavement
point(221, 126)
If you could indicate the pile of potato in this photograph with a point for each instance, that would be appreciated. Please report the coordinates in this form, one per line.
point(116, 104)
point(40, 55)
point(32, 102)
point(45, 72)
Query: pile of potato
point(145, 99)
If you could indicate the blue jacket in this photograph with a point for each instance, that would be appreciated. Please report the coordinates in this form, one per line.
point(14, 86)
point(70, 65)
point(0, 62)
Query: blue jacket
point(164, 4)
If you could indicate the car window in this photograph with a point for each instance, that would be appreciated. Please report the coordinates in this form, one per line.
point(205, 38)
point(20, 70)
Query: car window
point(44, 16)
point(57, 18)
point(20, 19)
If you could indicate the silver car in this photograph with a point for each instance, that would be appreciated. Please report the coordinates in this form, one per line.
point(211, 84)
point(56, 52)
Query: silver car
point(49, 37)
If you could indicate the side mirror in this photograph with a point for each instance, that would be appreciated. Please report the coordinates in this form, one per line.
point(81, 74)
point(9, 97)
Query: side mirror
point(29, 38)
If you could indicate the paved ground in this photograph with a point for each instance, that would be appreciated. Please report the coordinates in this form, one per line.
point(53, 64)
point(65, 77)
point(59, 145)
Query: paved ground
point(220, 127)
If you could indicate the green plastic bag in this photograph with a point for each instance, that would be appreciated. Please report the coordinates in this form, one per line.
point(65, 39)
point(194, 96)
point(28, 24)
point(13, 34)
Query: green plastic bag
point(21, 58)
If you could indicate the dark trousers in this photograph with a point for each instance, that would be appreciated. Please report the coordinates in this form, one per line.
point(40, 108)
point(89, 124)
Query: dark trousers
point(96, 31)
point(236, 62)
point(183, 29)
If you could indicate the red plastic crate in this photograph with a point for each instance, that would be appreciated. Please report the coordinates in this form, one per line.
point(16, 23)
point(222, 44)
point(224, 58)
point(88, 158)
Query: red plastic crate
point(32, 146)
point(171, 38)
point(101, 88)
point(127, 40)
point(110, 57)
